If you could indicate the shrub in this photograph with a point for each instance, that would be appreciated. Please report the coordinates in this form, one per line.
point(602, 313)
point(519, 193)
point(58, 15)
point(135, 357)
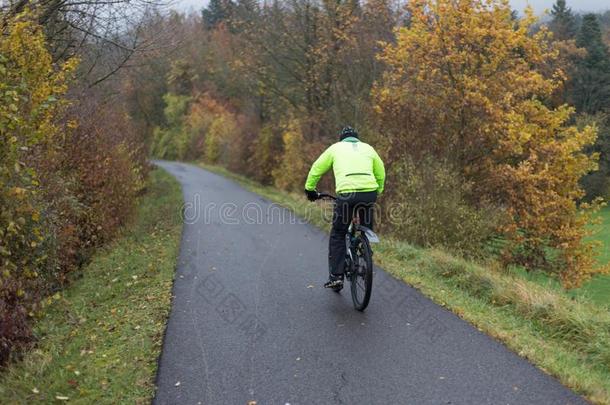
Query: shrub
point(172, 141)
point(265, 154)
point(429, 204)
point(201, 129)
point(197, 123)
point(89, 179)
point(291, 170)
point(66, 185)
point(105, 157)
point(30, 87)
point(243, 135)
point(163, 144)
point(221, 134)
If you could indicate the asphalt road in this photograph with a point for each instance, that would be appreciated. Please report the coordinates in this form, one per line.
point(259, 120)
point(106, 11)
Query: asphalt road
point(251, 322)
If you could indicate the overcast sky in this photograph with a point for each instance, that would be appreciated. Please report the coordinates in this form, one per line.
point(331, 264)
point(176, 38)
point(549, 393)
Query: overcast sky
point(576, 5)
point(539, 5)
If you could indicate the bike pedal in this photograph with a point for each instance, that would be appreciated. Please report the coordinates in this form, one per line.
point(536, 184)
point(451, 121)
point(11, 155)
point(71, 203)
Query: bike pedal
point(334, 284)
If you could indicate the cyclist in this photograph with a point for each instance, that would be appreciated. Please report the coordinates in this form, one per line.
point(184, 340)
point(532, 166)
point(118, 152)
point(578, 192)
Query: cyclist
point(359, 178)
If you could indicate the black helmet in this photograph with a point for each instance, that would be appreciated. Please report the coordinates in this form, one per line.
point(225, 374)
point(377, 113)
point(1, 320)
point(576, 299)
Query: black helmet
point(348, 132)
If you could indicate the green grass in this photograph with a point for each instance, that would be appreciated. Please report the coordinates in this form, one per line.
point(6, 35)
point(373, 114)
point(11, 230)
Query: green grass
point(598, 289)
point(98, 342)
point(602, 233)
point(568, 337)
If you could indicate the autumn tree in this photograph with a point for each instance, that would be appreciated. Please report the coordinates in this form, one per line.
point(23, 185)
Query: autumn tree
point(180, 77)
point(104, 34)
point(316, 59)
point(464, 85)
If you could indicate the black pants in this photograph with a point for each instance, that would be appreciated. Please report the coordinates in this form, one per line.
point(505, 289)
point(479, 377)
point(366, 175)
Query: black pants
point(345, 208)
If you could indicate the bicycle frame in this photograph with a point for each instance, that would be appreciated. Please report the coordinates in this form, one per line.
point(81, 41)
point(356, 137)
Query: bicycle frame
point(358, 259)
point(351, 238)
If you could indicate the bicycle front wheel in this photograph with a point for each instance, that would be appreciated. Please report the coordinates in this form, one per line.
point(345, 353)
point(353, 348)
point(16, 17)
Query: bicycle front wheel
point(362, 278)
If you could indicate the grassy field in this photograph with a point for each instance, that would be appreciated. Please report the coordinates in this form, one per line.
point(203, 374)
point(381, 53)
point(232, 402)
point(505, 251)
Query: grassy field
point(99, 340)
point(568, 337)
point(599, 288)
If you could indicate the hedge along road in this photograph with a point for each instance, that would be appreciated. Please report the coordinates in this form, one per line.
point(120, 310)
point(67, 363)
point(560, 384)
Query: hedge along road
point(250, 321)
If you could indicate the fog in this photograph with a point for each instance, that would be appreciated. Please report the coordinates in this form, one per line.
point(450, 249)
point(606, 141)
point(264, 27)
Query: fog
point(539, 5)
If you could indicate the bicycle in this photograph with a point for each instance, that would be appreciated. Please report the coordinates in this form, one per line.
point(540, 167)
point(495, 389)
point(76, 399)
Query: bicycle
point(358, 259)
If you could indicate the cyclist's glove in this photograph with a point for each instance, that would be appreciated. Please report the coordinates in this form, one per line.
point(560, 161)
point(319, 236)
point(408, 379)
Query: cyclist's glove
point(312, 195)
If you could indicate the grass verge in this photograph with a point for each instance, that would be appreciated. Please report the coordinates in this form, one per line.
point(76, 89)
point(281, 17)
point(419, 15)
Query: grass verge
point(568, 337)
point(100, 339)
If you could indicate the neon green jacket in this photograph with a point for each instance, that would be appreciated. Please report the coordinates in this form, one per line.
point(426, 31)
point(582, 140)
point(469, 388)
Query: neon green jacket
point(356, 165)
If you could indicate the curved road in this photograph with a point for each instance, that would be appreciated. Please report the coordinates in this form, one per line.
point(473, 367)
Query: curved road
point(251, 322)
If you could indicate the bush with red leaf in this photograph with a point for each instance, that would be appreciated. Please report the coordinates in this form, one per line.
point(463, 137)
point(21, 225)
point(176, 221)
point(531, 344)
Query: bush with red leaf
point(70, 171)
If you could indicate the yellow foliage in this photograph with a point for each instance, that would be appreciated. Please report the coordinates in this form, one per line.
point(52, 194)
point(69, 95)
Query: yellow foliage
point(31, 88)
point(203, 128)
point(467, 83)
point(292, 168)
point(220, 136)
point(199, 122)
point(266, 152)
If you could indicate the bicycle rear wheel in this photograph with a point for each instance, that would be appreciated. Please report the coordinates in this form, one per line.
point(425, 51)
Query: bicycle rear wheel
point(362, 278)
